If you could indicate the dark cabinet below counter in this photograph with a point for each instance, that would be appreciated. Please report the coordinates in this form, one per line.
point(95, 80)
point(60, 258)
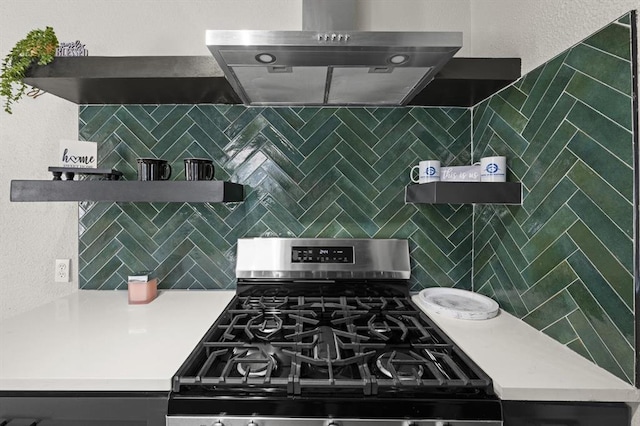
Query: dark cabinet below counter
point(553, 413)
point(83, 408)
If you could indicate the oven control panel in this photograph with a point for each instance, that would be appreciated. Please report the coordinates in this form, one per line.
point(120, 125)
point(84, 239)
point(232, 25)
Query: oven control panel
point(319, 254)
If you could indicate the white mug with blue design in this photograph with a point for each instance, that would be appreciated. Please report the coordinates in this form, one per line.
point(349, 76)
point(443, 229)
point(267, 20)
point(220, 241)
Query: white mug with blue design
point(493, 169)
point(428, 171)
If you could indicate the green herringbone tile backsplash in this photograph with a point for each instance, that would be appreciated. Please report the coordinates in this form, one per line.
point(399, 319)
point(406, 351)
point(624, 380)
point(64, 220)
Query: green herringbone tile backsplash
point(309, 172)
point(563, 262)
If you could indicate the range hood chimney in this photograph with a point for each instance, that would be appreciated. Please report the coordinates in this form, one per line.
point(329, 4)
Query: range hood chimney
point(328, 62)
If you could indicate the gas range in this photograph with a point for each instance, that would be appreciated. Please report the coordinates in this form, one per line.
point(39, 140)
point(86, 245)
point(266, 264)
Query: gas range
point(323, 332)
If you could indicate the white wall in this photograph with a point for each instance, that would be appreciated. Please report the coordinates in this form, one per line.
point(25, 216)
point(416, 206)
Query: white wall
point(418, 15)
point(537, 30)
point(32, 235)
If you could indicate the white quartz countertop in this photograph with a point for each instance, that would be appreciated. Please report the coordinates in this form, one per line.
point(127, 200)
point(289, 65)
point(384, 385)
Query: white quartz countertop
point(526, 364)
point(94, 340)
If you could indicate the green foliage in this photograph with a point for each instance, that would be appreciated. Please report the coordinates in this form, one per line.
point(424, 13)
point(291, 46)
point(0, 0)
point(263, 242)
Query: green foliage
point(39, 46)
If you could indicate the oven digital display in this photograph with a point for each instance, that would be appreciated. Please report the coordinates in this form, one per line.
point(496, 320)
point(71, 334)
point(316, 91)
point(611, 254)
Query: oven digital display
point(322, 254)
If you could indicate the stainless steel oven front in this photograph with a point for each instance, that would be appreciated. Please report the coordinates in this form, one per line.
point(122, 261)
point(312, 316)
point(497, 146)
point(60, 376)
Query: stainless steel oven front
point(323, 332)
point(258, 421)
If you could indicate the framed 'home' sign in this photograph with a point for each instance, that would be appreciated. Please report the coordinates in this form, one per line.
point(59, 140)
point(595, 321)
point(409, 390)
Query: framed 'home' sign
point(78, 154)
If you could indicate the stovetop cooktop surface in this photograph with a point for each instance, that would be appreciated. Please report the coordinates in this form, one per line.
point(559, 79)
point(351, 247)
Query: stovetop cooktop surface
point(362, 344)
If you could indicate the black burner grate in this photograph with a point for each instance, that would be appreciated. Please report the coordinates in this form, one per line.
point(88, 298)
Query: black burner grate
point(346, 345)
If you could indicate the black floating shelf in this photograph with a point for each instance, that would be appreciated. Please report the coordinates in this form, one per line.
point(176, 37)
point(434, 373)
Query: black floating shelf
point(462, 82)
point(127, 191)
point(134, 80)
point(465, 193)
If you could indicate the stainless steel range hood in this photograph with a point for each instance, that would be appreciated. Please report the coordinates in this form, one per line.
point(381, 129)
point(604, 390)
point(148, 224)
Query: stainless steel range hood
point(326, 64)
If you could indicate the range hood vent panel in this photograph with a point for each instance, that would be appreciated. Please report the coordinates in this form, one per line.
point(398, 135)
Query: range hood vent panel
point(347, 56)
point(301, 86)
point(361, 86)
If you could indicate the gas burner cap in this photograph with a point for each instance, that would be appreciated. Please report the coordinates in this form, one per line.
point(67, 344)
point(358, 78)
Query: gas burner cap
point(403, 371)
point(256, 362)
point(270, 325)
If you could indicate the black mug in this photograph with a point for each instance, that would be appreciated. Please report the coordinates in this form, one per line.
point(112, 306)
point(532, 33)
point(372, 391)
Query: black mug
point(153, 169)
point(198, 169)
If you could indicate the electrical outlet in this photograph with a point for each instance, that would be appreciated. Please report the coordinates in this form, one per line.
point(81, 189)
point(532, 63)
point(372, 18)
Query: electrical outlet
point(62, 271)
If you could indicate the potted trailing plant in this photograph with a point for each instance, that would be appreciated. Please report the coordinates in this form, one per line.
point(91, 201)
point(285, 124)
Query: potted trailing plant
point(38, 47)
